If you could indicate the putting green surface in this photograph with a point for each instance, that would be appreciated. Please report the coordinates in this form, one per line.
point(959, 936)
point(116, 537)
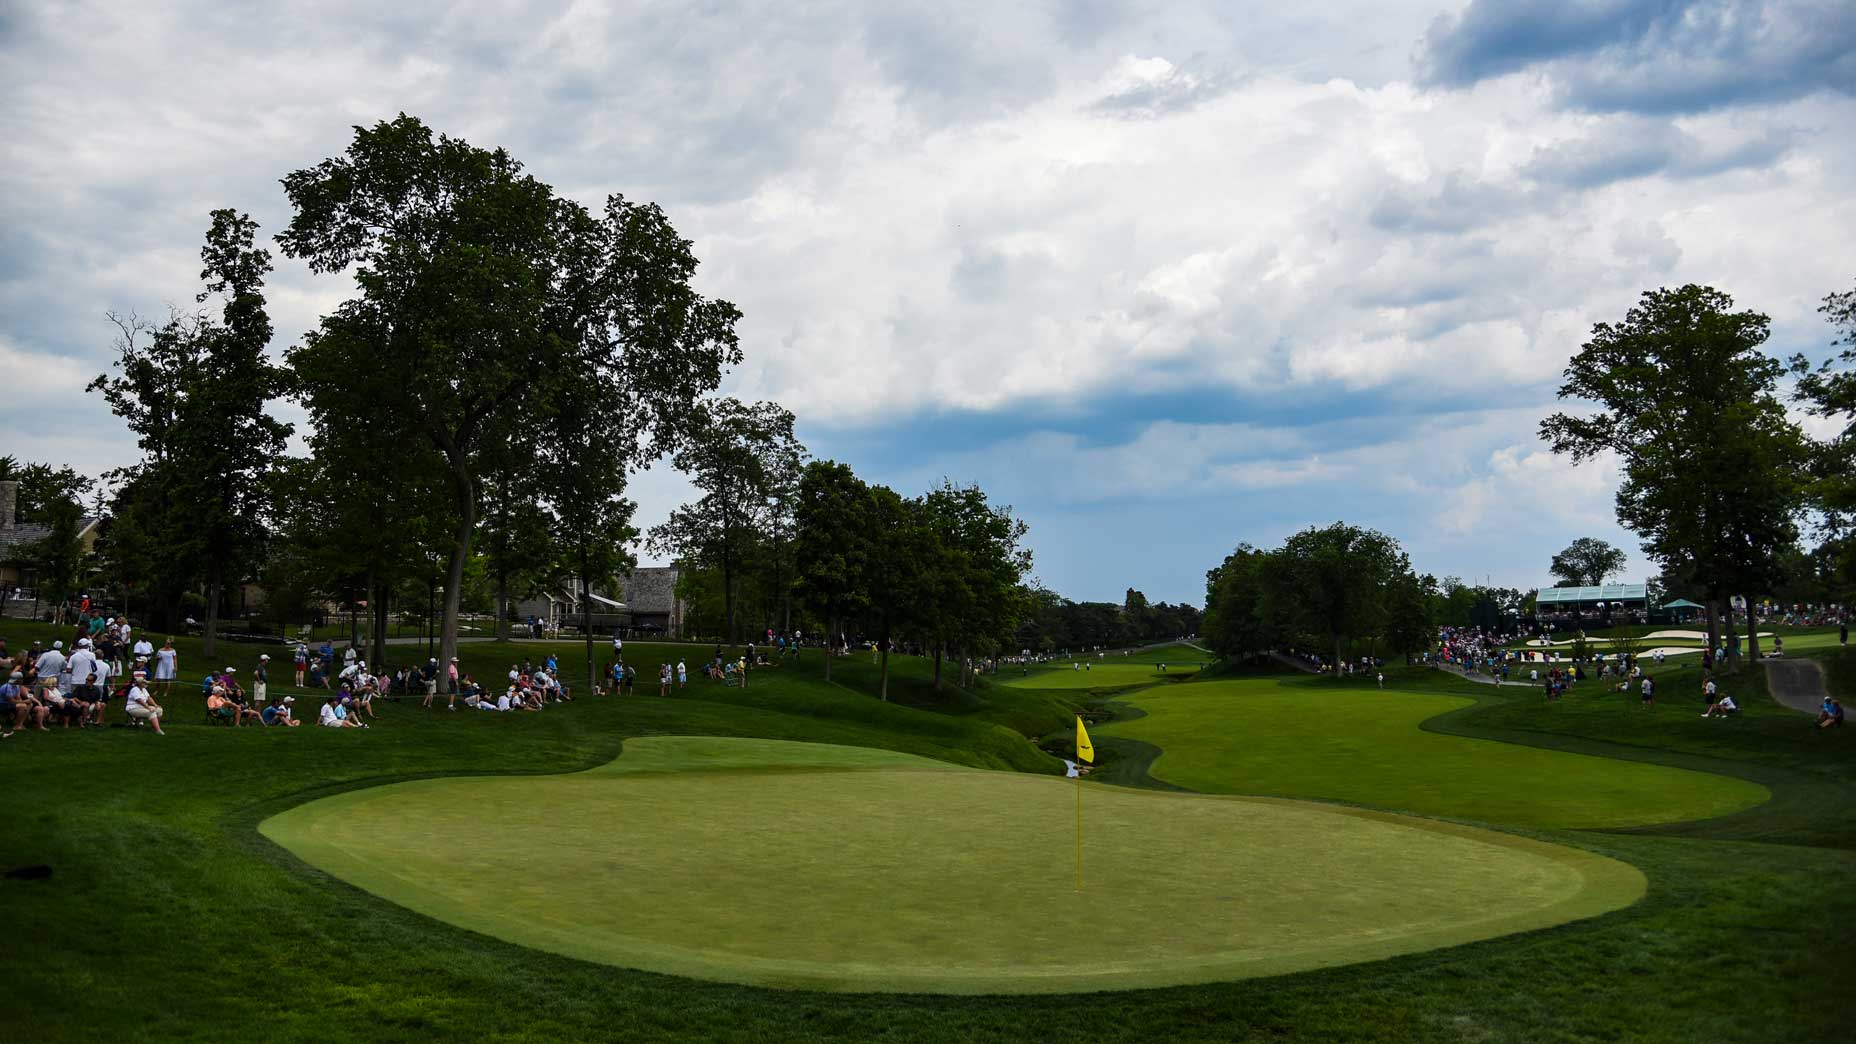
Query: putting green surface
point(791, 864)
point(1263, 737)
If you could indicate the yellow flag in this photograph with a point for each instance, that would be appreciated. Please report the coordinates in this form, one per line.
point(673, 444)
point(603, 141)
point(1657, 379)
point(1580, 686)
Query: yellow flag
point(1085, 750)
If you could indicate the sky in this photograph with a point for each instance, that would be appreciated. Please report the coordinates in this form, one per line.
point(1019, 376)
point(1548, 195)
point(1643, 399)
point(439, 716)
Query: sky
point(1163, 278)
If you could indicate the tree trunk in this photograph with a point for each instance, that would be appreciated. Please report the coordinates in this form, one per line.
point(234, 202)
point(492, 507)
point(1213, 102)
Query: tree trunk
point(1714, 626)
point(937, 666)
point(883, 684)
point(377, 654)
point(828, 657)
point(586, 614)
point(212, 613)
point(464, 488)
point(1337, 656)
point(1752, 633)
point(502, 607)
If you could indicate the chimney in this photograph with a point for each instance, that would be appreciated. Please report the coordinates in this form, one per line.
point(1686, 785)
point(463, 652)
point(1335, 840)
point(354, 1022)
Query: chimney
point(9, 501)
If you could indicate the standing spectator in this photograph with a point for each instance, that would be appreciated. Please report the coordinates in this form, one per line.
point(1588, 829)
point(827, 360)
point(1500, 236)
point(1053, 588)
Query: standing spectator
point(48, 668)
point(299, 658)
point(683, 676)
point(167, 666)
point(261, 681)
point(428, 682)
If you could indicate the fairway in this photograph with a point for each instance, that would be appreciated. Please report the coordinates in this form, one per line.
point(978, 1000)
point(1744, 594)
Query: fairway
point(1101, 676)
point(843, 868)
point(1364, 746)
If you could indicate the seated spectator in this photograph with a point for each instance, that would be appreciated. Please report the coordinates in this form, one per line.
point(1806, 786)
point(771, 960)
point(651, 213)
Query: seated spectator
point(334, 716)
point(17, 707)
point(142, 706)
point(277, 712)
point(1721, 708)
point(1832, 715)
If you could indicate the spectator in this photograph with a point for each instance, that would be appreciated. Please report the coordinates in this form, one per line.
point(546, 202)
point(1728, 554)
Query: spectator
point(142, 706)
point(1832, 714)
point(331, 715)
point(17, 706)
point(299, 659)
point(261, 679)
point(277, 712)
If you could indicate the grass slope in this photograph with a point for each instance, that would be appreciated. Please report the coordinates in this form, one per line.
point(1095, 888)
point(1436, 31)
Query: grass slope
point(1365, 747)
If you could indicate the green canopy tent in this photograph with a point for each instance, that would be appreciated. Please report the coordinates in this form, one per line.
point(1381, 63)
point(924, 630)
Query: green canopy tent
point(1682, 609)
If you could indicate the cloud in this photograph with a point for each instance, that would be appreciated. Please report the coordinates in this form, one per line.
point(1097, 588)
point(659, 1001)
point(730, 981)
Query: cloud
point(1103, 255)
point(1650, 56)
point(1627, 148)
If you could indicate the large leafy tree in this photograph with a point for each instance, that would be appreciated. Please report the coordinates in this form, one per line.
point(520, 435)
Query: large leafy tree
point(1587, 561)
point(1829, 391)
point(1235, 624)
point(740, 456)
point(831, 544)
point(970, 567)
point(196, 394)
point(893, 579)
point(481, 296)
point(1685, 397)
point(1332, 582)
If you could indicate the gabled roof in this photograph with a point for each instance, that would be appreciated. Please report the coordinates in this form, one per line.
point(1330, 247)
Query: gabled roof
point(15, 538)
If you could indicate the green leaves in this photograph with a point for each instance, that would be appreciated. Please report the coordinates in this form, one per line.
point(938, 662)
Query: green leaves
point(1685, 397)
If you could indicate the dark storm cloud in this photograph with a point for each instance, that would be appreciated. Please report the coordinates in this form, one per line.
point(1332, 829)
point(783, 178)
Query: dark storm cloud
point(1650, 56)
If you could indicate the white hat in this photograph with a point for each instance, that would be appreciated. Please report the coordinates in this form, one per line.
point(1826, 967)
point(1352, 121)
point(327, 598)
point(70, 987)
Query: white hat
point(57, 645)
point(83, 643)
point(231, 670)
point(289, 699)
point(265, 656)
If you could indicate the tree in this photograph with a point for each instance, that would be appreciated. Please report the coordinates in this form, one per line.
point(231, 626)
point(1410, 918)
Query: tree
point(585, 458)
point(1685, 399)
point(970, 566)
point(59, 554)
point(738, 455)
point(892, 579)
point(195, 393)
point(1332, 582)
point(1411, 612)
point(1234, 624)
point(1830, 392)
point(832, 544)
point(1587, 561)
point(481, 294)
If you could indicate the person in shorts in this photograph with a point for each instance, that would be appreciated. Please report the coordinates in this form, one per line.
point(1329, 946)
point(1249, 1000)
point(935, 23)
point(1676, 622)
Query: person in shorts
point(1648, 698)
point(299, 659)
point(261, 681)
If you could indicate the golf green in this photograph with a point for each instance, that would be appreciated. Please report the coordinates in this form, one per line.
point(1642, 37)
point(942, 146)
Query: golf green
point(1261, 736)
point(842, 868)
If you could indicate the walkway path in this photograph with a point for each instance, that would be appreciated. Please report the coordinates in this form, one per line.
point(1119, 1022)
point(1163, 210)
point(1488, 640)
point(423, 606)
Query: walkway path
point(1483, 679)
point(1798, 684)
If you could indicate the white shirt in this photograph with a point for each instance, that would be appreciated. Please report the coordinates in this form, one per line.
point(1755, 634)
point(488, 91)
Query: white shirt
point(502, 702)
point(51, 664)
point(327, 715)
point(144, 648)
point(348, 655)
point(103, 675)
point(138, 694)
point(82, 664)
point(164, 662)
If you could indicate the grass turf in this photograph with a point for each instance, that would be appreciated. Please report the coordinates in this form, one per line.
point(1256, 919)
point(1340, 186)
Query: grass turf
point(803, 865)
point(1266, 736)
point(169, 917)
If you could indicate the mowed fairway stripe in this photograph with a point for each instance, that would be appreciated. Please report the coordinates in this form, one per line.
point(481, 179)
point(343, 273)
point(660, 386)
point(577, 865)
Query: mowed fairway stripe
point(801, 865)
point(1262, 737)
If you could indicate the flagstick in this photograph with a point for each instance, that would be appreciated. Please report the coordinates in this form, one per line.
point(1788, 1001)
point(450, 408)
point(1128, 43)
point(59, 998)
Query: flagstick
point(1079, 829)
